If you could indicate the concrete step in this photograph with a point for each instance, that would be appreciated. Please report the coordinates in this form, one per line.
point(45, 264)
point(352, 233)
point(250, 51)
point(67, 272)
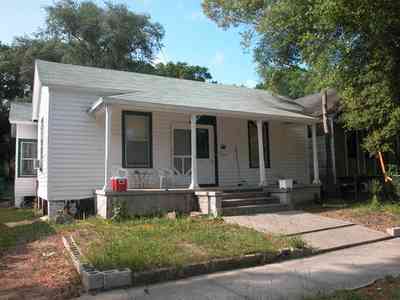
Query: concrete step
point(249, 201)
point(253, 209)
point(243, 195)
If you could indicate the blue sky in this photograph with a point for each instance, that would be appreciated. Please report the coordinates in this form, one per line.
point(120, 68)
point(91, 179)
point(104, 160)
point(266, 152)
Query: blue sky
point(190, 36)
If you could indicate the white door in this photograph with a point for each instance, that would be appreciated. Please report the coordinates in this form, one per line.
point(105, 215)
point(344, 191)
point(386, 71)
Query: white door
point(181, 154)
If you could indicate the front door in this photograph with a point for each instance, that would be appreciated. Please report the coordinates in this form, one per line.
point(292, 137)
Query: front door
point(181, 154)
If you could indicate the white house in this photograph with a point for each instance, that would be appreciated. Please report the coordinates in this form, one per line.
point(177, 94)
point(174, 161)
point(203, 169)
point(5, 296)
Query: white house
point(25, 133)
point(206, 137)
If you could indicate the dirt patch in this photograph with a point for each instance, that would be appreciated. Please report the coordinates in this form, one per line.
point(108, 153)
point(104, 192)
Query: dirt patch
point(38, 270)
point(385, 289)
point(375, 220)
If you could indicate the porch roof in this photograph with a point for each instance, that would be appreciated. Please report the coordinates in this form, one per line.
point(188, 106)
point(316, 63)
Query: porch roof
point(20, 112)
point(227, 105)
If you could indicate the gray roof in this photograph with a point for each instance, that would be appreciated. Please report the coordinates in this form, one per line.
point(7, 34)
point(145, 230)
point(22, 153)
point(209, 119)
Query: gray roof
point(152, 89)
point(313, 103)
point(20, 112)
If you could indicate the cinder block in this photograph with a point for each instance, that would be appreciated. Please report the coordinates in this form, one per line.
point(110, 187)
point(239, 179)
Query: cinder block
point(92, 280)
point(394, 231)
point(117, 278)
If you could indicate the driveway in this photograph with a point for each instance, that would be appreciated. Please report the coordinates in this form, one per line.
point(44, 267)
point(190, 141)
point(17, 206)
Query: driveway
point(319, 232)
point(344, 269)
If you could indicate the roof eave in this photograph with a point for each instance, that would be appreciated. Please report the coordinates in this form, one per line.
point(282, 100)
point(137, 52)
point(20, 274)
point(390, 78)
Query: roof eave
point(200, 110)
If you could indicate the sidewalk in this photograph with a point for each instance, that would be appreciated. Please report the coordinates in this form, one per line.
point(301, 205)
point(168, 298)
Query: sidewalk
point(321, 233)
point(343, 269)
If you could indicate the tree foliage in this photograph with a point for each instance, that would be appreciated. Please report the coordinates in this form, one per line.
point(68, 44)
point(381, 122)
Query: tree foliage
point(183, 70)
point(353, 46)
point(293, 82)
point(110, 37)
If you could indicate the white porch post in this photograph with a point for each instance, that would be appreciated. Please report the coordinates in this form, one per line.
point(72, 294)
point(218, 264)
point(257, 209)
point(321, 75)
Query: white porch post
point(193, 126)
point(315, 154)
point(261, 152)
point(107, 152)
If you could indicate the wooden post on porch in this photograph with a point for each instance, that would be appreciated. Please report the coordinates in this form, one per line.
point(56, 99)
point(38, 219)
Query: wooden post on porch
point(315, 154)
point(193, 126)
point(333, 154)
point(107, 150)
point(263, 180)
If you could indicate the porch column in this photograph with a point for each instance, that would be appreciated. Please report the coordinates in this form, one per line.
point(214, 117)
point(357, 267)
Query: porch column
point(107, 149)
point(263, 181)
point(193, 126)
point(333, 154)
point(315, 154)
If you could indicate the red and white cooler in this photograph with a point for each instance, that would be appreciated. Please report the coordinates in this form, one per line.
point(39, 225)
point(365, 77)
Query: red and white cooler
point(119, 184)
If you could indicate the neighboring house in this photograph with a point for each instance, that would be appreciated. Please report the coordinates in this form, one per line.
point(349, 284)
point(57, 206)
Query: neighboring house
point(95, 123)
point(341, 157)
point(25, 134)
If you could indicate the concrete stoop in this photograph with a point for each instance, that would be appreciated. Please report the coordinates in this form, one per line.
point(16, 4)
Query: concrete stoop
point(254, 209)
point(249, 202)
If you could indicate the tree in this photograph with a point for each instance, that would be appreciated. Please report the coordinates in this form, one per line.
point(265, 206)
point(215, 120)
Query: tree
point(293, 82)
point(183, 70)
point(111, 37)
point(350, 45)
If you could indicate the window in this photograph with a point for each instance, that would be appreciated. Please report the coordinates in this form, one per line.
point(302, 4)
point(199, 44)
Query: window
point(26, 156)
point(253, 145)
point(136, 140)
point(182, 151)
point(203, 146)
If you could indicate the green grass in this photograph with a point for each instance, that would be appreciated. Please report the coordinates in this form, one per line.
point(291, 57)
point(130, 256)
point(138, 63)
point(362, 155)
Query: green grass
point(15, 215)
point(361, 207)
point(22, 234)
point(388, 207)
point(144, 244)
point(10, 236)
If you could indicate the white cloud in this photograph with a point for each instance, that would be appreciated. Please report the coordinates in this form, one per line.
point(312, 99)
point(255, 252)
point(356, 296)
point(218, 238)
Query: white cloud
point(161, 57)
point(250, 83)
point(218, 58)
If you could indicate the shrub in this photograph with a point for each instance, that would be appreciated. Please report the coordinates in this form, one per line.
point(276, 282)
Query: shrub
point(120, 211)
point(376, 191)
point(297, 243)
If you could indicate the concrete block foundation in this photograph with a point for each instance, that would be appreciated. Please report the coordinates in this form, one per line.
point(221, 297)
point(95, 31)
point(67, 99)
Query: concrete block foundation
point(145, 202)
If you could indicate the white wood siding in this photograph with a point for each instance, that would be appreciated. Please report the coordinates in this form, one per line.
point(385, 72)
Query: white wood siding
point(76, 146)
point(23, 186)
point(43, 175)
point(287, 153)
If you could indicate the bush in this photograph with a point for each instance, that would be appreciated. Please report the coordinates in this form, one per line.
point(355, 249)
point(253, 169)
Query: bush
point(120, 211)
point(376, 191)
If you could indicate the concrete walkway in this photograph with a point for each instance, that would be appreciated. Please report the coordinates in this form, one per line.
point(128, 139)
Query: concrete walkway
point(344, 269)
point(319, 232)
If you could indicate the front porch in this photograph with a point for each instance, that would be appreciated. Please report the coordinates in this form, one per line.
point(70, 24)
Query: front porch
point(179, 159)
point(214, 201)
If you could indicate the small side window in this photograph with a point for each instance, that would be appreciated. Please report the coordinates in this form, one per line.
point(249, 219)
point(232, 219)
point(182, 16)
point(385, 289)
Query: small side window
point(27, 155)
